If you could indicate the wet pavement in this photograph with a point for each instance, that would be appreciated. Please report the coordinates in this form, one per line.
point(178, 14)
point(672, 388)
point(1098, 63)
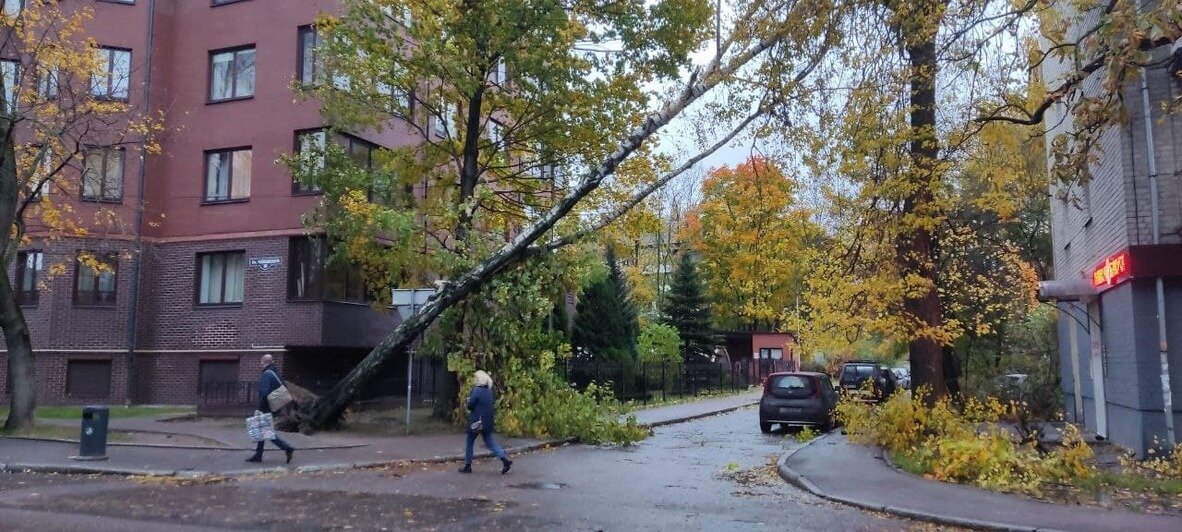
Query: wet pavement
point(716, 473)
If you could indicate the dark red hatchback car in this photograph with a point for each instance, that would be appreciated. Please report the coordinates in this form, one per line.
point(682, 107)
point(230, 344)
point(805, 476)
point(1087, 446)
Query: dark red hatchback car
point(797, 399)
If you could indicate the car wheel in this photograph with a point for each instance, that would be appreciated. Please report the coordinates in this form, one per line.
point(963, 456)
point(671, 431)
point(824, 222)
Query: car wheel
point(765, 427)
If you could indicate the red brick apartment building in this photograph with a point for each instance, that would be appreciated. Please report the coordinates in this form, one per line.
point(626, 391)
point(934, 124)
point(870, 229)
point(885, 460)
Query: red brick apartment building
point(218, 269)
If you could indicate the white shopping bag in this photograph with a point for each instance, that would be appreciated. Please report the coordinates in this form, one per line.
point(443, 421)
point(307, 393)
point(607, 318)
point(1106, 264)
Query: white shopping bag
point(260, 426)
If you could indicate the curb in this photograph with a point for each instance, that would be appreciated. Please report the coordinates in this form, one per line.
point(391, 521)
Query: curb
point(78, 469)
point(183, 447)
point(796, 479)
point(674, 421)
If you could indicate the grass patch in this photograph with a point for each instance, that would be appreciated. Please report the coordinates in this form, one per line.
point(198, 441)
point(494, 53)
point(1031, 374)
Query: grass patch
point(1131, 481)
point(392, 422)
point(116, 412)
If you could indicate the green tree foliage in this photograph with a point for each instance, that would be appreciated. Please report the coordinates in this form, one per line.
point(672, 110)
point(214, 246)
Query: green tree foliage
point(659, 343)
point(529, 128)
point(687, 310)
point(606, 326)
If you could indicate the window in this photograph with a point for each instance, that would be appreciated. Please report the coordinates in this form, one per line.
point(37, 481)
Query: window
point(222, 2)
point(114, 74)
point(360, 151)
point(11, 72)
point(227, 175)
point(40, 183)
point(13, 8)
point(28, 273)
point(88, 379)
point(221, 279)
point(792, 386)
point(95, 287)
point(308, 279)
point(102, 174)
point(311, 144)
point(344, 282)
point(231, 74)
point(308, 69)
point(310, 149)
point(47, 83)
point(305, 268)
point(771, 353)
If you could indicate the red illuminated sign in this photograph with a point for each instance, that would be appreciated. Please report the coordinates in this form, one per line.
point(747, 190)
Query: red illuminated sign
point(1112, 271)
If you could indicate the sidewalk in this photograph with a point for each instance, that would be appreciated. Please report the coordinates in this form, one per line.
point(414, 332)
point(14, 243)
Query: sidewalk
point(865, 480)
point(322, 451)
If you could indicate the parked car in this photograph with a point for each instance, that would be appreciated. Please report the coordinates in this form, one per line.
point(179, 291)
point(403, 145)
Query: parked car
point(855, 375)
point(797, 399)
point(902, 377)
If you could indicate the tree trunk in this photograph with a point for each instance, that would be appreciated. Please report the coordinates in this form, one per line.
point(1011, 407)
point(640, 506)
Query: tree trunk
point(22, 393)
point(916, 249)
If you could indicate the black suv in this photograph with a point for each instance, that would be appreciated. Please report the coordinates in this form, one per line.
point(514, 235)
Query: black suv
point(797, 399)
point(854, 376)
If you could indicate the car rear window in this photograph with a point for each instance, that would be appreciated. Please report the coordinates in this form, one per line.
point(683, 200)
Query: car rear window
point(856, 373)
point(792, 386)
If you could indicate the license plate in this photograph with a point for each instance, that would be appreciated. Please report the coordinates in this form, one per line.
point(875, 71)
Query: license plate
point(789, 410)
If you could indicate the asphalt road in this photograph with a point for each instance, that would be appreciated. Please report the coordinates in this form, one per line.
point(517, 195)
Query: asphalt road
point(716, 473)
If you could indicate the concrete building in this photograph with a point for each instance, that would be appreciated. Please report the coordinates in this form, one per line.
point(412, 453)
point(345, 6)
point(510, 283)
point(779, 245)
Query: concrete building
point(218, 269)
point(1117, 242)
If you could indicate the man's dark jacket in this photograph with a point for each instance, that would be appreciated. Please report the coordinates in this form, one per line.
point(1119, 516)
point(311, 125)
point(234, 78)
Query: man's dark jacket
point(268, 382)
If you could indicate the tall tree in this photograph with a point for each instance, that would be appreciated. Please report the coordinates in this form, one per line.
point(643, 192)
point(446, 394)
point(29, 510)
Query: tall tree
point(606, 326)
point(591, 64)
point(910, 90)
point(59, 98)
point(753, 238)
point(687, 309)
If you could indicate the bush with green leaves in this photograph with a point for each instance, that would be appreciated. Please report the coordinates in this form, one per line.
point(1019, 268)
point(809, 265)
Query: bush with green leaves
point(536, 402)
point(659, 343)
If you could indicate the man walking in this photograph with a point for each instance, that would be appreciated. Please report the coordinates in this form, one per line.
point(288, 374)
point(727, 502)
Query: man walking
point(268, 382)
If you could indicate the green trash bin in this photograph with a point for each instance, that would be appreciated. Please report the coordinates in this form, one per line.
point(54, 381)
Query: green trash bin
point(92, 442)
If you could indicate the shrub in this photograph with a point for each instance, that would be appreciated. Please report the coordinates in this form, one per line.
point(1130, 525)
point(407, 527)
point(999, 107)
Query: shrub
point(535, 402)
point(964, 446)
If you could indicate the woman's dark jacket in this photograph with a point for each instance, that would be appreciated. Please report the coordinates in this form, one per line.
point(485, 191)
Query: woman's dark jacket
point(480, 406)
point(268, 382)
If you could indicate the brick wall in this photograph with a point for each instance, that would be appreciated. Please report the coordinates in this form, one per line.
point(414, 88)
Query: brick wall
point(173, 320)
point(175, 334)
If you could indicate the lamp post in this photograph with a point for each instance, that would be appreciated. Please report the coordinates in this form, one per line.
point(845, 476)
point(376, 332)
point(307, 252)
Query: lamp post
point(408, 301)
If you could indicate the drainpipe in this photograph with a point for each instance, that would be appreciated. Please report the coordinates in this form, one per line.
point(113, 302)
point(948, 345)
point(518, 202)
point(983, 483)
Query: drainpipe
point(1163, 348)
point(137, 256)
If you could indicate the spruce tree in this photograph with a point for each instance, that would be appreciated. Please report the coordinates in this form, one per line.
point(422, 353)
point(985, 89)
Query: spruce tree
point(686, 309)
point(606, 325)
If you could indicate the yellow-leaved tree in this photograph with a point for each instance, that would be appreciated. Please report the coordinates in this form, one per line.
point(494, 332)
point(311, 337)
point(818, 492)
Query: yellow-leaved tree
point(753, 236)
point(60, 99)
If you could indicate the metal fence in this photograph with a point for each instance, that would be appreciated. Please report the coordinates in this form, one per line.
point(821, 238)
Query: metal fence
point(642, 382)
point(645, 382)
point(227, 398)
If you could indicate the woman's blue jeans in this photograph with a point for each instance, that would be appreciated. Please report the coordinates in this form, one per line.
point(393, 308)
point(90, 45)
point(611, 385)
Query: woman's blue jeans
point(488, 442)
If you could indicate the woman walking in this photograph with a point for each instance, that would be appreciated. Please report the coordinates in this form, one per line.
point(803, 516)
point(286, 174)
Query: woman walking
point(480, 421)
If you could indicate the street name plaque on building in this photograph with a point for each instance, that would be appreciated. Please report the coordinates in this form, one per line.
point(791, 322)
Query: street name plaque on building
point(265, 263)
